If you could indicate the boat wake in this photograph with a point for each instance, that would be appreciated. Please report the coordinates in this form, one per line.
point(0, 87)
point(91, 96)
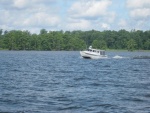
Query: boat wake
point(115, 57)
point(135, 57)
point(122, 57)
point(118, 57)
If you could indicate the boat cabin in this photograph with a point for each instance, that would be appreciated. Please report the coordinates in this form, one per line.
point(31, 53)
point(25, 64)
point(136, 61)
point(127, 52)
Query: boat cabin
point(101, 52)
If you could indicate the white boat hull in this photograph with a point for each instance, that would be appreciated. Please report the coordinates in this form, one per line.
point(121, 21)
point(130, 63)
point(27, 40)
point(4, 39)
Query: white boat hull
point(92, 55)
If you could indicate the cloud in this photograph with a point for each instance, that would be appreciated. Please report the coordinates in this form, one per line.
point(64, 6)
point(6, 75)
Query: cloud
point(139, 9)
point(105, 26)
point(21, 14)
point(93, 13)
point(38, 14)
point(20, 3)
point(77, 24)
point(122, 23)
point(140, 13)
point(91, 8)
point(138, 4)
point(34, 15)
point(125, 24)
point(41, 19)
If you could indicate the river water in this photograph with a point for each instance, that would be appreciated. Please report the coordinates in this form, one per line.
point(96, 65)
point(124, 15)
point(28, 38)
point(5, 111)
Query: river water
point(63, 82)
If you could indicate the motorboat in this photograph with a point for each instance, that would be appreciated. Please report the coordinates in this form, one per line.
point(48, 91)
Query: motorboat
point(91, 53)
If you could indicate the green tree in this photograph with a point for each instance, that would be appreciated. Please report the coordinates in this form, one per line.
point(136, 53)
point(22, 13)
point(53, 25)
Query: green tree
point(131, 45)
point(147, 45)
point(99, 44)
point(74, 40)
point(1, 31)
point(43, 31)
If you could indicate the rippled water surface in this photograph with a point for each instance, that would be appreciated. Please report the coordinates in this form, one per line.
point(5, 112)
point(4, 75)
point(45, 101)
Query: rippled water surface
point(63, 82)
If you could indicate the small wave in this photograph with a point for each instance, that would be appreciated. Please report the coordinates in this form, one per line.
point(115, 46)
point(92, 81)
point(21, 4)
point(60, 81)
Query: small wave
point(80, 57)
point(14, 111)
point(69, 108)
point(118, 57)
point(105, 105)
point(147, 95)
point(134, 99)
point(106, 66)
point(141, 57)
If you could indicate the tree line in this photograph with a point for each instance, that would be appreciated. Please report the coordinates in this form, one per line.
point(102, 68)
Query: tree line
point(75, 40)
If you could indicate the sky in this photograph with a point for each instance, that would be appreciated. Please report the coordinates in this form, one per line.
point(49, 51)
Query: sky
point(69, 15)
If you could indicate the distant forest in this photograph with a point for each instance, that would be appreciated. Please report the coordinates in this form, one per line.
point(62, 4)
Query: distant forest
point(74, 40)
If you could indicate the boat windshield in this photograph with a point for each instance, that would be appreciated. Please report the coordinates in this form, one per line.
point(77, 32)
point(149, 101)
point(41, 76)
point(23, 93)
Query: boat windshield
point(89, 50)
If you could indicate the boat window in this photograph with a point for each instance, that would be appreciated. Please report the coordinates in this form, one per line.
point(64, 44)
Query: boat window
point(89, 50)
point(102, 52)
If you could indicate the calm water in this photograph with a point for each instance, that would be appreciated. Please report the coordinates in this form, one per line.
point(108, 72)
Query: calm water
point(63, 82)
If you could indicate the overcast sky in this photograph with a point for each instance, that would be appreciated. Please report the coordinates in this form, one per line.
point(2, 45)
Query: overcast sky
point(33, 15)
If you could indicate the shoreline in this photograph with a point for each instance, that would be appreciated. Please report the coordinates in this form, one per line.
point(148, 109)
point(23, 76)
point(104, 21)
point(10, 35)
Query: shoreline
point(115, 50)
